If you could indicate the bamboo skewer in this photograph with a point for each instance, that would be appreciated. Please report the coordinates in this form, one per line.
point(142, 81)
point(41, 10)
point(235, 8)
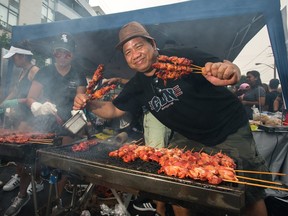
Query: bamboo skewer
point(196, 67)
point(260, 172)
point(138, 142)
point(157, 145)
point(40, 140)
point(259, 180)
point(43, 143)
point(257, 185)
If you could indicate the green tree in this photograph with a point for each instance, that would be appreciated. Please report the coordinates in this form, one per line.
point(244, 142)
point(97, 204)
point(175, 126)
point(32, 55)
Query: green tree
point(5, 40)
point(40, 59)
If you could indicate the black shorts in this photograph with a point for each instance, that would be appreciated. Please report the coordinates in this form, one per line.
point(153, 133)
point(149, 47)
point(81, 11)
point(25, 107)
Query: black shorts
point(242, 148)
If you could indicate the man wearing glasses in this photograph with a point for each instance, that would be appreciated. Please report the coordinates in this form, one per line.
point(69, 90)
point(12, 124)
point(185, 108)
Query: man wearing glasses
point(55, 86)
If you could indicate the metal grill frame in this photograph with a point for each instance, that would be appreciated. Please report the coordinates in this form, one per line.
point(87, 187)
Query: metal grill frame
point(166, 188)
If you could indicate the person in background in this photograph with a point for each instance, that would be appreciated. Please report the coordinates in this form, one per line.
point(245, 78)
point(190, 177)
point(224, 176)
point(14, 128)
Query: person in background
point(22, 57)
point(272, 94)
point(51, 99)
point(279, 106)
point(266, 87)
point(55, 86)
point(278, 102)
point(243, 88)
point(54, 89)
point(198, 107)
point(255, 96)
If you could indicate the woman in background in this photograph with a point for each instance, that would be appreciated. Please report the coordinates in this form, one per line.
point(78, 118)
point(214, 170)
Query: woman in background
point(22, 58)
point(255, 96)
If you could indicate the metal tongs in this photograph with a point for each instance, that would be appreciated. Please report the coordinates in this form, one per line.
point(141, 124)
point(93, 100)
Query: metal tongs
point(79, 120)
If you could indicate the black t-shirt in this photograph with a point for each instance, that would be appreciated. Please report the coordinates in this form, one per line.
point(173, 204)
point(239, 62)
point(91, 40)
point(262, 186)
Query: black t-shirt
point(269, 100)
point(60, 90)
point(253, 94)
point(22, 112)
point(191, 105)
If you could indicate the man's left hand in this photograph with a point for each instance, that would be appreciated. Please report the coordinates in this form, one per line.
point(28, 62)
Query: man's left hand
point(221, 73)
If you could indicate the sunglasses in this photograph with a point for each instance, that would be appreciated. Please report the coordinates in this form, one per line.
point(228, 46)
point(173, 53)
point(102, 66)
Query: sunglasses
point(155, 86)
point(62, 53)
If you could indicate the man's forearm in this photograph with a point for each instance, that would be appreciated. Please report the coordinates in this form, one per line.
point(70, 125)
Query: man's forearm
point(104, 109)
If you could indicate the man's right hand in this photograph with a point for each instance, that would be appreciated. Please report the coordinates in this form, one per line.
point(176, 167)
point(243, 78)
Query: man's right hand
point(80, 101)
point(39, 109)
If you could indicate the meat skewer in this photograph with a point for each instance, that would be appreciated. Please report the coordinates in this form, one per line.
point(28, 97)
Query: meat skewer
point(22, 138)
point(178, 61)
point(84, 146)
point(97, 77)
point(176, 162)
point(175, 60)
point(98, 94)
point(187, 164)
point(174, 67)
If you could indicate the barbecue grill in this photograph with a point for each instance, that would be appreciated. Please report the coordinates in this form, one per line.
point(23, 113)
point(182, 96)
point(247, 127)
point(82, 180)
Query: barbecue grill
point(136, 177)
point(24, 152)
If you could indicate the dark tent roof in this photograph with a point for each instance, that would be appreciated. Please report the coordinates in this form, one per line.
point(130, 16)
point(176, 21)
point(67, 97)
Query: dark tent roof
point(220, 27)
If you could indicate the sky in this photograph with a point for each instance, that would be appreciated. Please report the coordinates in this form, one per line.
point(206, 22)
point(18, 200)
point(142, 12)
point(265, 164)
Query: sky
point(258, 50)
point(114, 6)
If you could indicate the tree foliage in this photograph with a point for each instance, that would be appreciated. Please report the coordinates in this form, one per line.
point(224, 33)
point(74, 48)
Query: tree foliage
point(5, 40)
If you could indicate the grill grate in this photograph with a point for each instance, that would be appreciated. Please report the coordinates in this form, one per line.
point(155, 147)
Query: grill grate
point(96, 166)
point(24, 152)
point(99, 154)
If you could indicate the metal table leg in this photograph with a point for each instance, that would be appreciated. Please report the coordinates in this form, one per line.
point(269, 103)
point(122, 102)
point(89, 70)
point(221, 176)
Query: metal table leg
point(31, 172)
point(54, 177)
point(121, 204)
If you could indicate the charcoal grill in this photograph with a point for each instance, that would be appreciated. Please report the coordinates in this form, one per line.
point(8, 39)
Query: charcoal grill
point(96, 166)
point(23, 152)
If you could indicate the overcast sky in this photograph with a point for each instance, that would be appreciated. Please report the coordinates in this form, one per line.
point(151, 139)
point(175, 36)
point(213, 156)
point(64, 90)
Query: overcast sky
point(258, 50)
point(114, 6)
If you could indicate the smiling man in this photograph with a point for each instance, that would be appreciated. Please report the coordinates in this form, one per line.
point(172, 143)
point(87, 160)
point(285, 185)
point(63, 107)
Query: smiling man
point(198, 107)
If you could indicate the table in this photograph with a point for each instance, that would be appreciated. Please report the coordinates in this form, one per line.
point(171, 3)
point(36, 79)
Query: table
point(273, 146)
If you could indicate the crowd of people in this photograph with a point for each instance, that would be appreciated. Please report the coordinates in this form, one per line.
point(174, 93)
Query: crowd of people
point(255, 94)
point(199, 113)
